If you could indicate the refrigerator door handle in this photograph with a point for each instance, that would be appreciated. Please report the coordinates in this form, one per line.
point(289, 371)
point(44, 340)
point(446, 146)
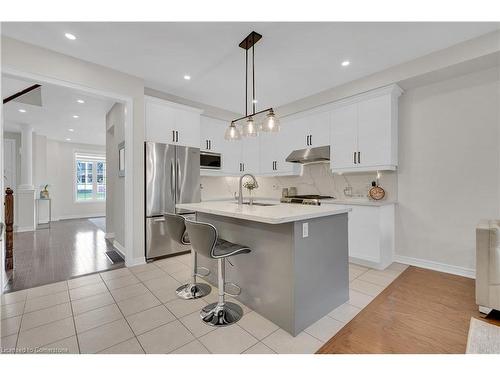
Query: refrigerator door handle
point(172, 183)
point(177, 180)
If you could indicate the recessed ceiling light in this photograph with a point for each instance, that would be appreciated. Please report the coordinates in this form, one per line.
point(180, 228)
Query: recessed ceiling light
point(70, 36)
point(22, 110)
point(346, 63)
point(187, 77)
point(75, 116)
point(81, 101)
point(71, 130)
point(68, 139)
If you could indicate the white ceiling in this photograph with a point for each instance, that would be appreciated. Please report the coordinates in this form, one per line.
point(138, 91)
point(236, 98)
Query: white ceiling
point(293, 60)
point(55, 116)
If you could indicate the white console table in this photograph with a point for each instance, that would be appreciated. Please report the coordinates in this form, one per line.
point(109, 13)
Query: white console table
point(40, 202)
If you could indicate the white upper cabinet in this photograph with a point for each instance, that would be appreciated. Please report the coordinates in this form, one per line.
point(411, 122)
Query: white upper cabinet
point(274, 149)
point(343, 137)
point(212, 134)
point(318, 125)
point(167, 122)
point(309, 130)
point(364, 133)
point(250, 155)
point(160, 124)
point(376, 131)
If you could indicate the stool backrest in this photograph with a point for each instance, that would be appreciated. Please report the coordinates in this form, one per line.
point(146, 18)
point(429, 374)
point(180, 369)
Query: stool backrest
point(203, 237)
point(176, 227)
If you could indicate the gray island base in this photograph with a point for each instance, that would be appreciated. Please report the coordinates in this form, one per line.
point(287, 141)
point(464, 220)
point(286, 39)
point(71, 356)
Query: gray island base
point(289, 279)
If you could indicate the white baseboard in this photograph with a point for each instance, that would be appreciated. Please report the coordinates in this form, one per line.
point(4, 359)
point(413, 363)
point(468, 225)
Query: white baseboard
point(135, 262)
point(120, 248)
point(109, 235)
point(23, 229)
point(436, 266)
point(79, 216)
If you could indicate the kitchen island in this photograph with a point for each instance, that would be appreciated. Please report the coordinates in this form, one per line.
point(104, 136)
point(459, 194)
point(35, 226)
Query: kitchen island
point(297, 271)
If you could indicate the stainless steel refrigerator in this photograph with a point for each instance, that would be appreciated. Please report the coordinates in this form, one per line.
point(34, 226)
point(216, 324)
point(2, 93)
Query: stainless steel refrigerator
point(172, 175)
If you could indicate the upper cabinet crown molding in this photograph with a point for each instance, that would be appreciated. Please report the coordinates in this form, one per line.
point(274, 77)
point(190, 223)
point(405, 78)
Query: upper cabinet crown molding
point(393, 90)
point(153, 99)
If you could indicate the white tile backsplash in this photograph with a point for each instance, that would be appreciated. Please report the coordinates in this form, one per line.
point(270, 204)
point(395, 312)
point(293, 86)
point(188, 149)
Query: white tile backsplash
point(315, 179)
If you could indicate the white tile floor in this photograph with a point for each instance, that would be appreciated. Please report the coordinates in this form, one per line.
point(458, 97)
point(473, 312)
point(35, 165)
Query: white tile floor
point(135, 310)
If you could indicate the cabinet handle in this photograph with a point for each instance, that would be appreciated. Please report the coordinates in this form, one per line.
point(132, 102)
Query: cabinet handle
point(354, 155)
point(173, 135)
point(310, 140)
point(240, 167)
point(359, 157)
point(176, 136)
point(210, 143)
point(243, 167)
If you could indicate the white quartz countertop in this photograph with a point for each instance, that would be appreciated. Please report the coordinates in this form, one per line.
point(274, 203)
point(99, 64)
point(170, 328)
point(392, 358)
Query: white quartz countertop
point(276, 214)
point(351, 201)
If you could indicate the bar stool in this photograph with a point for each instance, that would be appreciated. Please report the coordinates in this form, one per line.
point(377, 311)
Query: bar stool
point(177, 230)
point(205, 240)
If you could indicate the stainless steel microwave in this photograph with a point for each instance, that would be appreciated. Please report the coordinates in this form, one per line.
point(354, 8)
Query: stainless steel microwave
point(210, 160)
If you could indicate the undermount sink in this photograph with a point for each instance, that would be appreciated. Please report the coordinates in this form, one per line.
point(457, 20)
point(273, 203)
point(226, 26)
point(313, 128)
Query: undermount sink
point(258, 204)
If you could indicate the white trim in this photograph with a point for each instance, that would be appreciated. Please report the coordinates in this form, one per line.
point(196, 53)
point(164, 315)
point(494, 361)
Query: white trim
point(436, 266)
point(361, 169)
point(23, 229)
point(154, 99)
point(119, 248)
point(371, 263)
point(135, 262)
point(78, 216)
point(385, 90)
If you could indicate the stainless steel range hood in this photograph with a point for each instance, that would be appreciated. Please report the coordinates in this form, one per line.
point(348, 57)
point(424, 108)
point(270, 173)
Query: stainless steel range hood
point(309, 155)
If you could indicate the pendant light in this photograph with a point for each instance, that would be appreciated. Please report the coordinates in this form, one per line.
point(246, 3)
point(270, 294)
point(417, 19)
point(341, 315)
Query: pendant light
point(232, 133)
point(249, 126)
point(271, 123)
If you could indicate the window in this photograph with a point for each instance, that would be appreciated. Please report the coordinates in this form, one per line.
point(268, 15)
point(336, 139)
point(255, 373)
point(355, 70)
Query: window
point(90, 184)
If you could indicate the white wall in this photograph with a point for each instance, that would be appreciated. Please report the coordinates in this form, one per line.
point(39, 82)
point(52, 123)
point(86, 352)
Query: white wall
point(27, 59)
point(448, 168)
point(115, 202)
point(17, 138)
point(61, 178)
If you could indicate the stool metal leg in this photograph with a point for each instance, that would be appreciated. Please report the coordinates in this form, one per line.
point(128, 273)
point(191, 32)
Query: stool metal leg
point(221, 313)
point(193, 289)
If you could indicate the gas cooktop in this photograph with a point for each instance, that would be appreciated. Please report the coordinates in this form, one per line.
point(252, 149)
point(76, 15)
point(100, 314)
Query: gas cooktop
point(309, 199)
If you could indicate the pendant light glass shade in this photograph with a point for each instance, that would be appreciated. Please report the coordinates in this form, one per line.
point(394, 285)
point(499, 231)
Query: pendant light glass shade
point(271, 123)
point(232, 133)
point(249, 128)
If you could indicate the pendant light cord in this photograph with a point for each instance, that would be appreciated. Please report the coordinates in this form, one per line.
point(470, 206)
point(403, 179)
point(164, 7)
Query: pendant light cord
point(246, 82)
point(253, 77)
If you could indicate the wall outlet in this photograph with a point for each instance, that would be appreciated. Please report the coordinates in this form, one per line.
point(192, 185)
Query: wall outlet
point(305, 230)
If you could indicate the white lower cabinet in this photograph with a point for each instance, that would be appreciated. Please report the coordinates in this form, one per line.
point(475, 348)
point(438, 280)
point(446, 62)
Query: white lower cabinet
point(371, 235)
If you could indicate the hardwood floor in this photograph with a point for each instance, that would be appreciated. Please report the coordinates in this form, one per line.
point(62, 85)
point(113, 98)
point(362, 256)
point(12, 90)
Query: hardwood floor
point(68, 249)
point(422, 311)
